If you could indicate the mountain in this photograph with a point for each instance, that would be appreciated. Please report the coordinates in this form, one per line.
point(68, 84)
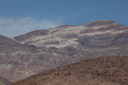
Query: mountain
point(99, 71)
point(11, 54)
point(64, 36)
point(4, 81)
point(95, 39)
point(19, 61)
point(42, 50)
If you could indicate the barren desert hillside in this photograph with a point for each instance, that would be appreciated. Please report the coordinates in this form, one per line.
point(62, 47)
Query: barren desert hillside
point(99, 71)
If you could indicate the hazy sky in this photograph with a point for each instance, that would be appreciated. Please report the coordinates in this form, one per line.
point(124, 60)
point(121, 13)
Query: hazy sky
point(21, 16)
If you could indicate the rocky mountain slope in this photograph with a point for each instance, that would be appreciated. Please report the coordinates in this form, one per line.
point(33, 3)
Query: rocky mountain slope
point(42, 50)
point(4, 81)
point(18, 61)
point(99, 71)
point(64, 36)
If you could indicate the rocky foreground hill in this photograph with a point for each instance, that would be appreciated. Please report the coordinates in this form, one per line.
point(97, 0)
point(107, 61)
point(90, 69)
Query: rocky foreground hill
point(42, 50)
point(100, 71)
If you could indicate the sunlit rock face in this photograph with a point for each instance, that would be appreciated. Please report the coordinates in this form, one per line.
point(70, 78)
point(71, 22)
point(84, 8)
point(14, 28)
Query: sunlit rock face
point(41, 50)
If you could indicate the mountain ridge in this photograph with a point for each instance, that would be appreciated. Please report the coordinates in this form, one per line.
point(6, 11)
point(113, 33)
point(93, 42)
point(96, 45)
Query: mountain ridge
point(42, 50)
point(71, 32)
